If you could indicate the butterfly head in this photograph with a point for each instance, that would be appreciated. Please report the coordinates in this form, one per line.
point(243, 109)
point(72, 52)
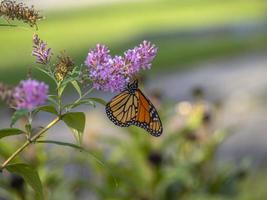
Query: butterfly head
point(133, 86)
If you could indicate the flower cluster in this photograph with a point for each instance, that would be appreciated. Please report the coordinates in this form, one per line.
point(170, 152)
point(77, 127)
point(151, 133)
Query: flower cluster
point(29, 94)
point(40, 50)
point(113, 73)
point(140, 57)
point(14, 10)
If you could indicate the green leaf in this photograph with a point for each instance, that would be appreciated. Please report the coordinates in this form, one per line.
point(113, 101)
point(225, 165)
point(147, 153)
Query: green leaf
point(76, 122)
point(12, 25)
point(52, 100)
point(28, 128)
point(17, 115)
point(49, 109)
point(61, 143)
point(30, 175)
point(61, 89)
point(77, 87)
point(80, 148)
point(47, 73)
point(9, 132)
point(85, 102)
point(75, 72)
point(98, 100)
point(81, 102)
point(73, 76)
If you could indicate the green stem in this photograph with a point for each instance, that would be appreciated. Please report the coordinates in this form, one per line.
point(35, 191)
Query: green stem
point(84, 95)
point(59, 98)
point(28, 142)
point(30, 118)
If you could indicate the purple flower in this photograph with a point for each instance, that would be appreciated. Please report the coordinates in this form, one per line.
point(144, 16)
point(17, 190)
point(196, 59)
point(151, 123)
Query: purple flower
point(113, 74)
point(104, 71)
point(29, 94)
point(140, 57)
point(147, 53)
point(40, 50)
point(98, 56)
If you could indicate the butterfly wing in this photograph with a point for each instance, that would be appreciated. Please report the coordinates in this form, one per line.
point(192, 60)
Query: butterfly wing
point(123, 108)
point(147, 116)
point(127, 109)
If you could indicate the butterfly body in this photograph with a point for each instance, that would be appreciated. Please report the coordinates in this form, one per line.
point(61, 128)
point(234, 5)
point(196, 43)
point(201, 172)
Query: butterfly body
point(131, 107)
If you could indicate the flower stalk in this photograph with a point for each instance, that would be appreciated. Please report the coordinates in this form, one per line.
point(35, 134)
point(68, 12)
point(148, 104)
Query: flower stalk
point(29, 141)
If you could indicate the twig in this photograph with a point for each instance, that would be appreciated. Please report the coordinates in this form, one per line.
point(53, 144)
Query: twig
point(29, 141)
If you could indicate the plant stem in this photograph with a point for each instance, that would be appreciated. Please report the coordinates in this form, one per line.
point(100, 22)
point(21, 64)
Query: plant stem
point(84, 95)
point(28, 142)
point(79, 99)
point(59, 98)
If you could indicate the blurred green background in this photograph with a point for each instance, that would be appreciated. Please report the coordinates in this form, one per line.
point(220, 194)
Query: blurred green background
point(184, 31)
point(211, 53)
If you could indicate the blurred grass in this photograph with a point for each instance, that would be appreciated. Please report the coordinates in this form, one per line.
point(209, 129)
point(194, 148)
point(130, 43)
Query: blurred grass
point(254, 187)
point(126, 24)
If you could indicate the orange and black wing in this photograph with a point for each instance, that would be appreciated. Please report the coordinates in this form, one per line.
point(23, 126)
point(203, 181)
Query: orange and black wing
point(147, 116)
point(122, 109)
point(127, 109)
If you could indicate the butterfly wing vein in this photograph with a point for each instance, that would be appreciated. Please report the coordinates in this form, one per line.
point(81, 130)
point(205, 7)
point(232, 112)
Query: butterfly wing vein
point(127, 109)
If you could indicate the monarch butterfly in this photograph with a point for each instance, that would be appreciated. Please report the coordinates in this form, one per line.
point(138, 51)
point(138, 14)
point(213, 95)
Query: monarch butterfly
point(131, 107)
